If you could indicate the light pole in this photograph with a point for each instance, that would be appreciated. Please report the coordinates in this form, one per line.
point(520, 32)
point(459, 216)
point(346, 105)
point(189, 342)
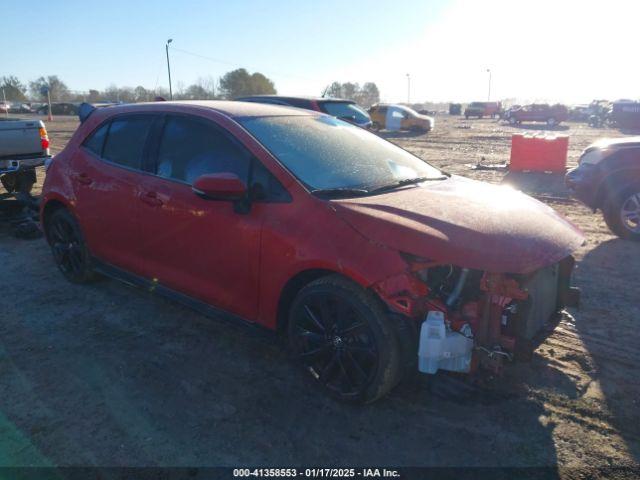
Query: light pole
point(169, 68)
point(408, 88)
point(4, 98)
point(489, 94)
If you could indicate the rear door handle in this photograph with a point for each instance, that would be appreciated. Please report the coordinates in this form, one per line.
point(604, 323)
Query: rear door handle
point(151, 198)
point(82, 178)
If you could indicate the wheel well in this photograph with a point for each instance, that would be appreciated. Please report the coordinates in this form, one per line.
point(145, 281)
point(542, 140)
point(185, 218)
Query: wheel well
point(291, 289)
point(49, 208)
point(615, 181)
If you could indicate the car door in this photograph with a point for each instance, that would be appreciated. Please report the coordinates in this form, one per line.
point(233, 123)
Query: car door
point(106, 172)
point(202, 248)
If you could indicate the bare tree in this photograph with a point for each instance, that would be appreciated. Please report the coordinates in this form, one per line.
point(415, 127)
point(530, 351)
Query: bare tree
point(58, 90)
point(14, 90)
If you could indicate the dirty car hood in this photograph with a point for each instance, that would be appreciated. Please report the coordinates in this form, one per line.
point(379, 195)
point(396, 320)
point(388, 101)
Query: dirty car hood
point(466, 223)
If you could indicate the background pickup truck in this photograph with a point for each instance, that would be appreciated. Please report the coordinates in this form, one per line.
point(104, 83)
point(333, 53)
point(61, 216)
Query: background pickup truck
point(24, 145)
point(552, 115)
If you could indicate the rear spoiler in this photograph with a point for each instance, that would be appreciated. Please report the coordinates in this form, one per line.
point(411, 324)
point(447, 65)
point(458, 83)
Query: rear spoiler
point(84, 111)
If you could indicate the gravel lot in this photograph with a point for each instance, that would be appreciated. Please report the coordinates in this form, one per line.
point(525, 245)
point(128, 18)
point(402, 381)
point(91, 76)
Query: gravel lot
point(111, 375)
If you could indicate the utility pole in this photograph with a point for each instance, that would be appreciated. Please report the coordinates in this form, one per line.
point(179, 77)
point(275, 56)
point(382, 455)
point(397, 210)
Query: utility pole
point(169, 68)
point(408, 88)
point(4, 98)
point(489, 94)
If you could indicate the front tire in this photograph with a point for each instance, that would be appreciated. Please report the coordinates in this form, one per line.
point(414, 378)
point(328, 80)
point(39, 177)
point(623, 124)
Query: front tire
point(69, 249)
point(343, 337)
point(622, 212)
point(552, 122)
point(513, 121)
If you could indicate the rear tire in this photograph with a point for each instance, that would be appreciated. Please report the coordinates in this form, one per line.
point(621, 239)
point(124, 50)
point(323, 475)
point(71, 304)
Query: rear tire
point(69, 249)
point(375, 126)
point(513, 121)
point(622, 212)
point(552, 122)
point(343, 337)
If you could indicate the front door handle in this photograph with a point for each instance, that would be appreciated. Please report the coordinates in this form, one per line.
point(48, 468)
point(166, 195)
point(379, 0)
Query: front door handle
point(82, 178)
point(151, 198)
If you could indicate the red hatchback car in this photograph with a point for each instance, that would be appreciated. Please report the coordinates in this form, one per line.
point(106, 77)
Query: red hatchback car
point(373, 262)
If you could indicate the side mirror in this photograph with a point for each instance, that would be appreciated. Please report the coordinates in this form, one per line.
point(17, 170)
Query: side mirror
point(219, 186)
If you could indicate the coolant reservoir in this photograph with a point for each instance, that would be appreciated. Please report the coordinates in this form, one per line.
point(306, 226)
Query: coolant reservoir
point(442, 349)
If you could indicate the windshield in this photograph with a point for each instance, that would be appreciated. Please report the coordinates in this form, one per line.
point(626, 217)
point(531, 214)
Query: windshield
point(327, 153)
point(346, 110)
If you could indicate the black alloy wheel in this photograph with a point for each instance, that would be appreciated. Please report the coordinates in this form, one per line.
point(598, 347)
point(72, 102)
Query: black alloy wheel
point(68, 247)
point(344, 339)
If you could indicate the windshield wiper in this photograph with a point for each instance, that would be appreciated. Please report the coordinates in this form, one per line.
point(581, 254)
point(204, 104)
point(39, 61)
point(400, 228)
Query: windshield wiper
point(406, 181)
point(340, 192)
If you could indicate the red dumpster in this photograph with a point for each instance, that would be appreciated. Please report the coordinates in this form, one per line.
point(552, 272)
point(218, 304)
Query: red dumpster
point(539, 153)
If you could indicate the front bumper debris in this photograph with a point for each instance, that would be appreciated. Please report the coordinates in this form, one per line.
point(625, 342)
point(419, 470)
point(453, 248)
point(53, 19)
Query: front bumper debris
point(499, 318)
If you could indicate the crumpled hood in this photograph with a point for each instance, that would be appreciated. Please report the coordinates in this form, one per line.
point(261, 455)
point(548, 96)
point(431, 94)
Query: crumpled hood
point(466, 223)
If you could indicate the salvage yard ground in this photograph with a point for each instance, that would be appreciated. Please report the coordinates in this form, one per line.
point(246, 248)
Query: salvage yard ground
point(112, 375)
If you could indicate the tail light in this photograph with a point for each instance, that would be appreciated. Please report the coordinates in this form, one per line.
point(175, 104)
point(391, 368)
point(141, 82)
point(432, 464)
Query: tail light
point(44, 139)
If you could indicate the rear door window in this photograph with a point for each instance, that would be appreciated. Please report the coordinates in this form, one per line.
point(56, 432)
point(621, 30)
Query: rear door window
point(126, 140)
point(190, 147)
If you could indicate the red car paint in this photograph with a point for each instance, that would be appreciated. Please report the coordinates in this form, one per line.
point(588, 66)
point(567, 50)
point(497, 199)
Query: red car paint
point(465, 222)
point(161, 230)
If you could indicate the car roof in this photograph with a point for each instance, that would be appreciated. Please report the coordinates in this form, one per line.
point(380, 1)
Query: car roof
point(233, 109)
point(299, 97)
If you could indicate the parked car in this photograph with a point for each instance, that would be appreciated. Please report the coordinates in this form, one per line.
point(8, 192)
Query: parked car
point(607, 178)
point(483, 109)
point(4, 107)
point(343, 109)
point(399, 117)
point(24, 145)
point(20, 108)
point(59, 109)
point(552, 115)
point(306, 224)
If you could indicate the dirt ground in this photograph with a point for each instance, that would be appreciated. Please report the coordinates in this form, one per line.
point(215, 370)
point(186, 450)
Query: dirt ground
point(111, 375)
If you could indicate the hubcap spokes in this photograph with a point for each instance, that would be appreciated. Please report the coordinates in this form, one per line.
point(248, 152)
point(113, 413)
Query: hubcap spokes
point(66, 247)
point(630, 213)
point(336, 345)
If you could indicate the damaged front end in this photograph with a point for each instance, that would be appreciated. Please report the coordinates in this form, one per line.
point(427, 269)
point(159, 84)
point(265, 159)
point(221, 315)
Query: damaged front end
point(465, 318)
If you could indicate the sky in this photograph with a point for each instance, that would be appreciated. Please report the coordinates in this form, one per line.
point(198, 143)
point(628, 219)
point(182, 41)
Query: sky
point(551, 50)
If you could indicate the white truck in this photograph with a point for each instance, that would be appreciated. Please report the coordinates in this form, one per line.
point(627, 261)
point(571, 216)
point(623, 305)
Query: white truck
point(24, 145)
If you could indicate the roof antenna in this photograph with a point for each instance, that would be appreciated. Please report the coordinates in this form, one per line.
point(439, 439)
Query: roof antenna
point(324, 93)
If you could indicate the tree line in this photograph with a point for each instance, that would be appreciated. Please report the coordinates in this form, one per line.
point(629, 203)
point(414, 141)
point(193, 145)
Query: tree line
point(232, 84)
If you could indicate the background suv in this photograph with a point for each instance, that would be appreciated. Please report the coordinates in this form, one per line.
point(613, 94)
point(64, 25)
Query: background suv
point(347, 110)
point(608, 178)
point(483, 109)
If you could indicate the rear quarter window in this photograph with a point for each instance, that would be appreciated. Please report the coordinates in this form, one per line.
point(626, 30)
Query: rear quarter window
point(95, 142)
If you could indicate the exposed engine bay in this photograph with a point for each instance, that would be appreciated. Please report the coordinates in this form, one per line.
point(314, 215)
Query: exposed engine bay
point(469, 318)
